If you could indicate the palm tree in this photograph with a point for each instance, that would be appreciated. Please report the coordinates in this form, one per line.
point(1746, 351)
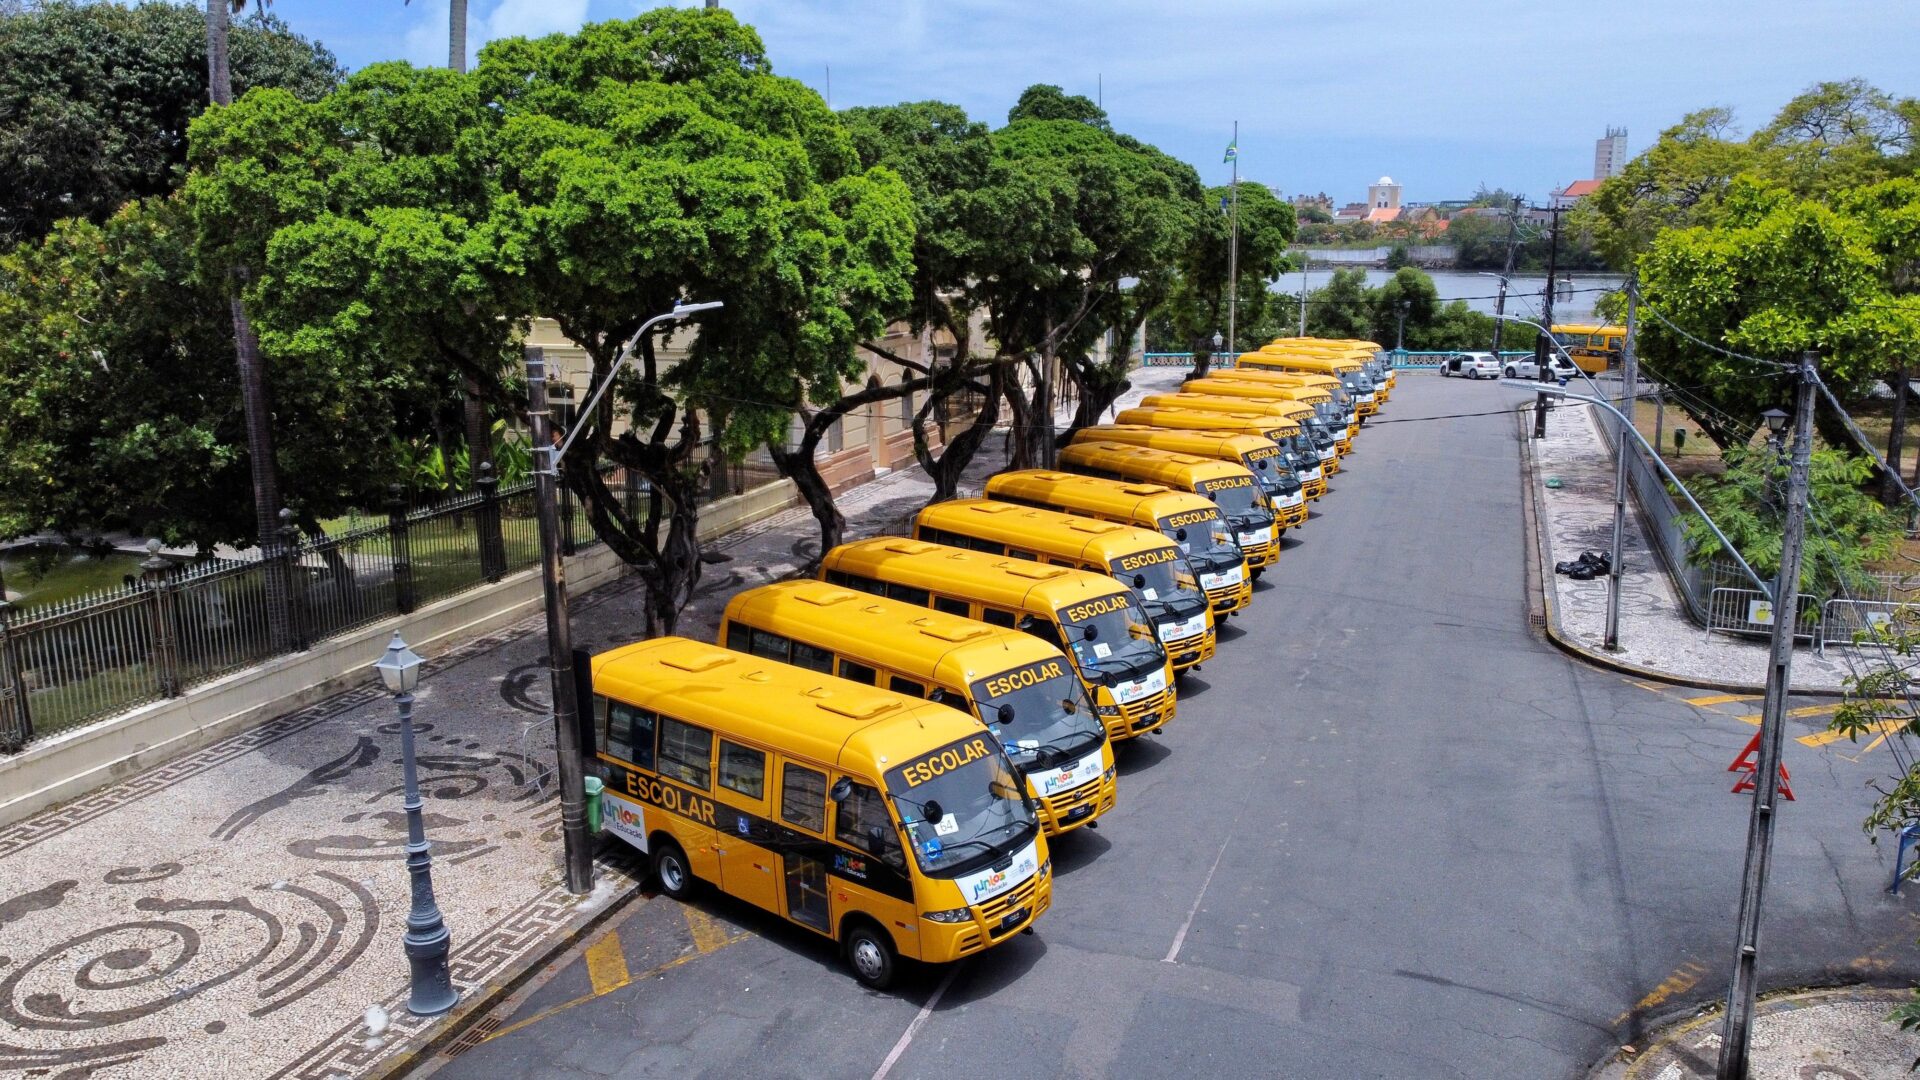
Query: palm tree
point(253, 386)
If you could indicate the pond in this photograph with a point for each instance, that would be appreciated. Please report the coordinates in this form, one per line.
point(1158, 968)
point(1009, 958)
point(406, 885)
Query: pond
point(39, 574)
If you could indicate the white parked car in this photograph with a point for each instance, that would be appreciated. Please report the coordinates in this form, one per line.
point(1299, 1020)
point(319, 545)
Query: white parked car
point(1472, 365)
point(1557, 368)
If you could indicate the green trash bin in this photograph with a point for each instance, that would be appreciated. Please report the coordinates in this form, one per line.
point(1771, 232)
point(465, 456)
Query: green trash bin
point(594, 787)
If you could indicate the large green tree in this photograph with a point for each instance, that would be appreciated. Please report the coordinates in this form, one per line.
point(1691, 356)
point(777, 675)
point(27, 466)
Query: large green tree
point(1198, 296)
point(596, 178)
point(95, 100)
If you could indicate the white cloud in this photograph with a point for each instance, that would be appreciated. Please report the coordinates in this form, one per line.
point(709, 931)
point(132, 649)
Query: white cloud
point(533, 18)
point(425, 42)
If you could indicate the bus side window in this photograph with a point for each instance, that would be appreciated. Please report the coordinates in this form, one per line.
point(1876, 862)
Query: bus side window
point(803, 798)
point(859, 673)
point(906, 686)
point(738, 637)
point(1047, 631)
point(630, 734)
point(855, 820)
point(771, 646)
point(806, 656)
point(996, 617)
point(686, 752)
point(907, 594)
point(951, 606)
point(743, 769)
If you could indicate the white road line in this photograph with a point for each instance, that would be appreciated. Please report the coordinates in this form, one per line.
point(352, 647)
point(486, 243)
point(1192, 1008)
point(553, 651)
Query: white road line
point(1180, 938)
point(906, 1037)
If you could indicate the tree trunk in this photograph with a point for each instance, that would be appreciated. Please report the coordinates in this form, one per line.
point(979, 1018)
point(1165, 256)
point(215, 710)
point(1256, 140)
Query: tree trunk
point(1031, 440)
point(946, 470)
point(800, 466)
point(1202, 362)
point(1896, 438)
point(219, 75)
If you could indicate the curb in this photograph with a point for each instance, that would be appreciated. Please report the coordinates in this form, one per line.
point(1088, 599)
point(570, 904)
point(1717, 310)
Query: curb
point(478, 1005)
point(1617, 1065)
point(1541, 600)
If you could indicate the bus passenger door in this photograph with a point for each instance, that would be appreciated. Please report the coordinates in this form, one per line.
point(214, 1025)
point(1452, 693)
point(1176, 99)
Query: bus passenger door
point(748, 869)
point(803, 808)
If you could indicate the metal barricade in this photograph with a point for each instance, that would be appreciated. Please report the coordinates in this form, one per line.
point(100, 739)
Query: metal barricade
point(1748, 611)
point(1849, 622)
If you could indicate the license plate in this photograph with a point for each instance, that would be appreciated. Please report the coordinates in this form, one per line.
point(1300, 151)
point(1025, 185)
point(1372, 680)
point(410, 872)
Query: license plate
point(1079, 812)
point(1012, 919)
point(1147, 720)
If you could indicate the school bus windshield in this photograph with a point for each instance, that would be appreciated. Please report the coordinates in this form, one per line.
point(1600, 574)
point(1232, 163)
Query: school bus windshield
point(1042, 719)
point(1111, 636)
point(1235, 502)
point(1166, 584)
point(977, 806)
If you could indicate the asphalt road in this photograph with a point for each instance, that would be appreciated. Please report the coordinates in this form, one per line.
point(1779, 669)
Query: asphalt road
point(1393, 833)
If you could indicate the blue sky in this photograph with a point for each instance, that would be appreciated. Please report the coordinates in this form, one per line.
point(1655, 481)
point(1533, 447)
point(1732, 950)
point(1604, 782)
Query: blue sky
point(1442, 96)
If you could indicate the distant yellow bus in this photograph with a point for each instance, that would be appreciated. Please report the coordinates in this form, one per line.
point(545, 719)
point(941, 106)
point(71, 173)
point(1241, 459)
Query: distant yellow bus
point(1593, 347)
point(1260, 455)
point(1313, 477)
point(1141, 559)
point(1283, 433)
point(1090, 617)
point(1325, 437)
point(892, 826)
point(1346, 420)
point(1022, 689)
point(1378, 362)
point(1351, 373)
point(1227, 485)
point(1191, 521)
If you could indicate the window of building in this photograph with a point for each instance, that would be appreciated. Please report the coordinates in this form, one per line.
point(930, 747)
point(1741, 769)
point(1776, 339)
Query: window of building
point(837, 435)
point(906, 402)
point(803, 798)
point(743, 769)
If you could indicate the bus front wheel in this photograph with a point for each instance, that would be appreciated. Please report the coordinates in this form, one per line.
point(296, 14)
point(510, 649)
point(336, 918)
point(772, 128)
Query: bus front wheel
point(671, 868)
point(871, 955)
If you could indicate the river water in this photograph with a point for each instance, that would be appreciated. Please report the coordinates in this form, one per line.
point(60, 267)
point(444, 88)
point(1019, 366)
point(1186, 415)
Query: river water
point(1479, 291)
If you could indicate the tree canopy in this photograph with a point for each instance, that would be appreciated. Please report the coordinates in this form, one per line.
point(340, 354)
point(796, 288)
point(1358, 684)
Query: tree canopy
point(95, 100)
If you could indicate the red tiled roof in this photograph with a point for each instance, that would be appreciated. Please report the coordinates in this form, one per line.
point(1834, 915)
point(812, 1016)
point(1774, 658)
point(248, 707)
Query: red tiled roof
point(1580, 189)
point(1383, 213)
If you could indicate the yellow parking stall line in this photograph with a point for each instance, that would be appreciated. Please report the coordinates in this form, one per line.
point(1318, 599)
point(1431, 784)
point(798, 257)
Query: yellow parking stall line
point(607, 964)
point(709, 935)
point(1721, 699)
point(1804, 710)
point(1823, 738)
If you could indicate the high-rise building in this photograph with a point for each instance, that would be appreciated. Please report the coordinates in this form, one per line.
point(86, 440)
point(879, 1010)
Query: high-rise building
point(1610, 154)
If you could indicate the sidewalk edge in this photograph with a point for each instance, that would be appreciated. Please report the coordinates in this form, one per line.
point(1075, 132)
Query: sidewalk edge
point(481, 1003)
point(1541, 599)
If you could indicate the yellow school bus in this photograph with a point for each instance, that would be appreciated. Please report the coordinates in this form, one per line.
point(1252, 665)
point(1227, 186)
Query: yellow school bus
point(1228, 486)
point(892, 826)
point(1283, 433)
point(1351, 373)
point(1345, 417)
point(1190, 521)
point(1140, 559)
point(1258, 454)
point(1090, 617)
point(1593, 347)
point(1376, 359)
point(1313, 477)
point(1018, 686)
point(1319, 427)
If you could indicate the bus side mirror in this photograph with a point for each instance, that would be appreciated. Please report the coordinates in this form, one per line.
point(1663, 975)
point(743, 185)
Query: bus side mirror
point(1180, 534)
point(932, 812)
point(841, 791)
point(1139, 581)
point(1004, 714)
point(1089, 632)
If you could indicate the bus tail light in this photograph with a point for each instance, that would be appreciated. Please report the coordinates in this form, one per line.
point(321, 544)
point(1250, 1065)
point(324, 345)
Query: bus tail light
point(951, 915)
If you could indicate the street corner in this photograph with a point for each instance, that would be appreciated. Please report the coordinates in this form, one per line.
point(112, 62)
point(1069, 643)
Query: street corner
point(1833, 1034)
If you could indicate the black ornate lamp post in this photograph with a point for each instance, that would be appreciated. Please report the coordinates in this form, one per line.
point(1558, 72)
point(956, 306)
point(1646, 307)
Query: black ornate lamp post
point(1400, 330)
point(426, 939)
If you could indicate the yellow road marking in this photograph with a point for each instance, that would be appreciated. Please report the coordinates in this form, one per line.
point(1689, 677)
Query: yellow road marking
point(1822, 738)
point(1683, 979)
point(708, 934)
point(607, 964)
point(1655, 687)
point(1805, 710)
point(1721, 699)
point(1869, 749)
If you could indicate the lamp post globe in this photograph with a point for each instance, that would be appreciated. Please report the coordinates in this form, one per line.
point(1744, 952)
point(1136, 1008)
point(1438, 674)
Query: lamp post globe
point(426, 940)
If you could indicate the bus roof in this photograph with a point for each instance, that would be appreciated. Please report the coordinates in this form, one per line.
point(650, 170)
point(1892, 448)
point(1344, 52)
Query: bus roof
point(1142, 503)
point(1231, 445)
point(1299, 361)
point(946, 649)
point(1587, 328)
point(1170, 467)
point(997, 579)
point(1245, 423)
point(1222, 402)
point(1276, 377)
point(821, 717)
point(1247, 388)
point(1035, 528)
point(1358, 343)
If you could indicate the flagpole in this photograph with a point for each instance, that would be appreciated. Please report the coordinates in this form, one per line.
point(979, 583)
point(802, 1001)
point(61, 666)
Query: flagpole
point(1233, 249)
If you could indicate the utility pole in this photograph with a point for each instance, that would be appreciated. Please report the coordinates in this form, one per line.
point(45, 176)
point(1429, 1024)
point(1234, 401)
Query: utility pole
point(1306, 264)
point(1629, 390)
point(1766, 777)
point(1546, 317)
point(1233, 246)
point(566, 706)
point(1506, 271)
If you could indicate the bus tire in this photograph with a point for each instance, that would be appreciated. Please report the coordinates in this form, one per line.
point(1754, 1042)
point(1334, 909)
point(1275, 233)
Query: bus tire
point(871, 955)
point(673, 871)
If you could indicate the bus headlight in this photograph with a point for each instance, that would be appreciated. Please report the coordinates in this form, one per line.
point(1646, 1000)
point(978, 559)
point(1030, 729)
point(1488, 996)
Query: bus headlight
point(1106, 710)
point(951, 915)
point(1046, 868)
point(1108, 775)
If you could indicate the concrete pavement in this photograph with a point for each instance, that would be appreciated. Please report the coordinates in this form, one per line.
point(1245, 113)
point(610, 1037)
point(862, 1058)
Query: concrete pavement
point(1393, 833)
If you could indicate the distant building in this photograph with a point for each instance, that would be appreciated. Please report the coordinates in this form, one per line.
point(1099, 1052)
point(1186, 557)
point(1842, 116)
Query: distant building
point(1353, 211)
point(1383, 194)
point(1322, 201)
point(1575, 191)
point(1610, 153)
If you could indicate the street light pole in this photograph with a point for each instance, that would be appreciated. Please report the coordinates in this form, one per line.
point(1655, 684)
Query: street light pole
point(426, 940)
point(1400, 330)
point(1734, 1042)
point(1629, 392)
point(1233, 248)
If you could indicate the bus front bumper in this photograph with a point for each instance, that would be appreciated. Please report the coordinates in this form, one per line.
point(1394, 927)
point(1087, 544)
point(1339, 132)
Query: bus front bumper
point(944, 942)
point(1069, 810)
point(1286, 517)
point(1314, 488)
point(1188, 651)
